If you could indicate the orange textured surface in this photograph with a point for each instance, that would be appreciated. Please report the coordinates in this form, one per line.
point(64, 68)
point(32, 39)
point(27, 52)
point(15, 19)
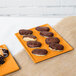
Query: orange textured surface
point(9, 65)
point(51, 53)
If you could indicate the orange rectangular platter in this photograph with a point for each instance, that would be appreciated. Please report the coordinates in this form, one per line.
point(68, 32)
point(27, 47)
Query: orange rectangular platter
point(51, 53)
point(9, 65)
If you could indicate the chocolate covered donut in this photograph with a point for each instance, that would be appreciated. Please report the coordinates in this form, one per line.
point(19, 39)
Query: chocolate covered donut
point(56, 46)
point(52, 40)
point(25, 32)
point(33, 44)
point(40, 52)
point(29, 38)
point(46, 34)
point(42, 28)
point(3, 54)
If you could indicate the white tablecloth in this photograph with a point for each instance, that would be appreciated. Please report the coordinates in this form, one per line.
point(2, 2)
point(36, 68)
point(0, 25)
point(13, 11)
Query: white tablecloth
point(10, 25)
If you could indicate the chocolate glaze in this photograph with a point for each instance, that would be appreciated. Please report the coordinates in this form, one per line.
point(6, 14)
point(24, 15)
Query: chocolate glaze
point(33, 44)
point(46, 34)
point(56, 46)
point(5, 52)
point(25, 32)
point(42, 28)
point(30, 36)
point(40, 51)
point(52, 40)
point(2, 59)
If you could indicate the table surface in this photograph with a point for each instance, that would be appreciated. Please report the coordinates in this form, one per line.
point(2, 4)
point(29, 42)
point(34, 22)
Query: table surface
point(10, 25)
